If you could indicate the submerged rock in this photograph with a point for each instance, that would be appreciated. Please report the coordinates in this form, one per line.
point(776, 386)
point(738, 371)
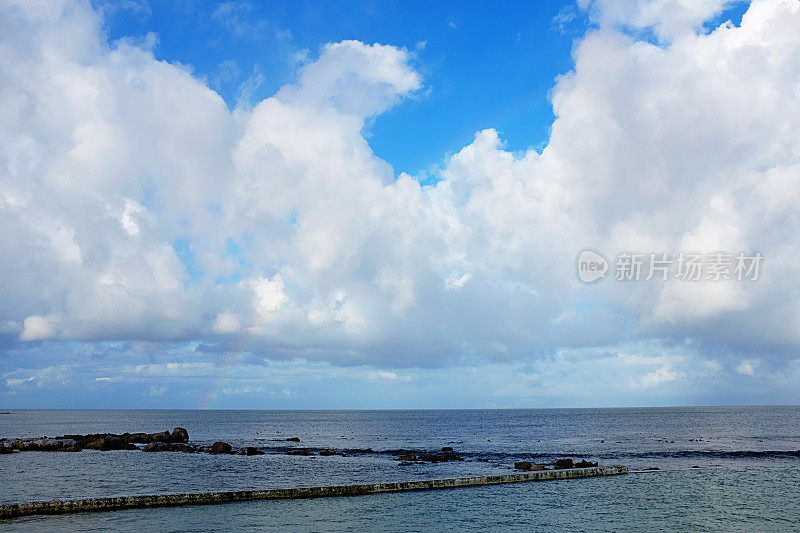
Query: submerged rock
point(253, 451)
point(302, 451)
point(440, 457)
point(169, 447)
point(328, 453)
point(523, 465)
point(293, 439)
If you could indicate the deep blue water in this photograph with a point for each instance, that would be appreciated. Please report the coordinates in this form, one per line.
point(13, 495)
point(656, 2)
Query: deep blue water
point(748, 476)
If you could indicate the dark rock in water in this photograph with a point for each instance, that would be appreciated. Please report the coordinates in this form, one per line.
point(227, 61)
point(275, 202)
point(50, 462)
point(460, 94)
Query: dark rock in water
point(447, 449)
point(163, 436)
point(328, 453)
point(695, 466)
point(564, 463)
point(6, 449)
point(253, 451)
point(43, 444)
point(103, 444)
point(302, 451)
point(440, 457)
point(584, 464)
point(407, 457)
point(101, 441)
point(137, 438)
point(293, 439)
point(179, 435)
point(527, 465)
point(221, 447)
point(169, 447)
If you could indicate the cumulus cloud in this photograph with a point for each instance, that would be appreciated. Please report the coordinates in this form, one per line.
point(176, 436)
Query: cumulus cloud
point(137, 206)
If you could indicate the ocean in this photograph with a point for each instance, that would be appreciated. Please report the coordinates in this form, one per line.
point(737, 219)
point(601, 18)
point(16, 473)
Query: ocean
point(719, 468)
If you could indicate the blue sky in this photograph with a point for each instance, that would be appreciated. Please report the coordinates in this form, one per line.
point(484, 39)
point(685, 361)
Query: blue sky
point(457, 47)
point(380, 204)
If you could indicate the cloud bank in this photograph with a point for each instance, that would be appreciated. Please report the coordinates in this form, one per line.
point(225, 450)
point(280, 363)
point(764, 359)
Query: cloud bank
point(136, 206)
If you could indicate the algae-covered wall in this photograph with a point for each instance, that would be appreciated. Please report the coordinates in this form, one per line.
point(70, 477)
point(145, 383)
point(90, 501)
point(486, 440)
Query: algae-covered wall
point(164, 500)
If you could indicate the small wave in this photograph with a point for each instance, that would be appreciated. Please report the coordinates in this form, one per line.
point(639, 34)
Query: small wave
point(715, 454)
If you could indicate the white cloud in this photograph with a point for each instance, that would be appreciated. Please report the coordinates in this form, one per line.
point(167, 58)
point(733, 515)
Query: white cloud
point(747, 368)
point(36, 328)
point(297, 235)
point(155, 391)
point(226, 323)
point(661, 375)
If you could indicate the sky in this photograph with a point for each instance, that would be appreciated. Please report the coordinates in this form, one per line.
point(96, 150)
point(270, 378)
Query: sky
point(358, 205)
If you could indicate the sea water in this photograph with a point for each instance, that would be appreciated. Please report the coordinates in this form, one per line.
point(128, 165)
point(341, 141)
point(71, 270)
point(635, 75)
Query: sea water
point(719, 468)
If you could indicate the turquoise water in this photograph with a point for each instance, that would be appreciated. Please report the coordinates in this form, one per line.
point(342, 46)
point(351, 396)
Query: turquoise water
point(748, 477)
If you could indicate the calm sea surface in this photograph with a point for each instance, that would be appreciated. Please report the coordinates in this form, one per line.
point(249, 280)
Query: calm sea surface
point(748, 477)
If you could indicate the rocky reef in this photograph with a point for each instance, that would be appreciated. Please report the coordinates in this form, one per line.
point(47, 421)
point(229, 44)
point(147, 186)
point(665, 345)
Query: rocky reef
point(177, 440)
point(162, 441)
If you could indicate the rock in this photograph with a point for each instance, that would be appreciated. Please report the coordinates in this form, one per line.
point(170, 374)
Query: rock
point(564, 463)
point(179, 435)
point(103, 444)
point(328, 453)
point(102, 441)
point(169, 447)
point(163, 436)
point(447, 449)
point(253, 451)
point(585, 464)
point(293, 439)
point(5, 448)
point(408, 457)
point(302, 451)
point(439, 457)
point(527, 465)
point(137, 438)
point(42, 445)
point(221, 447)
